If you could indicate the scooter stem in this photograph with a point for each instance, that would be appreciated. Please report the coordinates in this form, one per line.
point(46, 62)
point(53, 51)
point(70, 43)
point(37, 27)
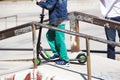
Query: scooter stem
point(40, 31)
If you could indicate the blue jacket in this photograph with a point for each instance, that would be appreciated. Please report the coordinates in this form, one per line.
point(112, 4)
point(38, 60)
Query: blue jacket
point(57, 10)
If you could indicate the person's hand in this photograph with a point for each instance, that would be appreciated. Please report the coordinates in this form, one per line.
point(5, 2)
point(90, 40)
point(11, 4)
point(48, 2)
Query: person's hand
point(38, 0)
point(41, 0)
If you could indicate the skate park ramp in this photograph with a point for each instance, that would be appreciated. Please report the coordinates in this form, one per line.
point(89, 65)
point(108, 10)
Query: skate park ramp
point(101, 67)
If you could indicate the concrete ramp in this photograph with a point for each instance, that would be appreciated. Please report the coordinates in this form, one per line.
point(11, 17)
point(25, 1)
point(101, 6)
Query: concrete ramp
point(101, 69)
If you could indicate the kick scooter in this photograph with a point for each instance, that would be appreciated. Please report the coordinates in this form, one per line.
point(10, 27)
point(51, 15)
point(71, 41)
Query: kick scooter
point(81, 57)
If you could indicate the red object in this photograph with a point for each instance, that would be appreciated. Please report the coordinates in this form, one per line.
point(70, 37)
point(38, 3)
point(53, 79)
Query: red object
point(28, 76)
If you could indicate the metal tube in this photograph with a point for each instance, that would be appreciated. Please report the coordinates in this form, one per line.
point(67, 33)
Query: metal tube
point(75, 45)
point(6, 23)
point(16, 20)
point(88, 59)
point(77, 34)
point(34, 45)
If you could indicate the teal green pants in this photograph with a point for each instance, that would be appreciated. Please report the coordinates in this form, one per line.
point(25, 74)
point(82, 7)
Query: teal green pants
point(56, 40)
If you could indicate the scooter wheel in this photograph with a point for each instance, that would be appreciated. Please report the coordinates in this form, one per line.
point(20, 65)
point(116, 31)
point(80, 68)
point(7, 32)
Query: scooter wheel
point(38, 61)
point(81, 58)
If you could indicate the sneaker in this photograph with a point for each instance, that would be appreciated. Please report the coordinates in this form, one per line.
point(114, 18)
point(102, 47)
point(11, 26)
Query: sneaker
point(54, 56)
point(61, 62)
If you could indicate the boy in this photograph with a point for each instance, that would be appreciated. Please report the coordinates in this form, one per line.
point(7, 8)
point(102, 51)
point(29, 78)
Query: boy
point(57, 14)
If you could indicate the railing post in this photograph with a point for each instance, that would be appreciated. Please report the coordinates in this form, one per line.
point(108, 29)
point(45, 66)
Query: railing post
point(34, 45)
point(88, 59)
point(74, 26)
point(16, 20)
point(6, 22)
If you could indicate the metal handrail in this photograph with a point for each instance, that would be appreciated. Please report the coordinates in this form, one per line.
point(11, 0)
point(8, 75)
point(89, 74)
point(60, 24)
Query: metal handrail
point(38, 25)
point(87, 37)
point(74, 16)
point(6, 17)
point(94, 20)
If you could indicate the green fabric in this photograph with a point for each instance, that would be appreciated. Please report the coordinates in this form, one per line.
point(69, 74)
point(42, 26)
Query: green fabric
point(56, 40)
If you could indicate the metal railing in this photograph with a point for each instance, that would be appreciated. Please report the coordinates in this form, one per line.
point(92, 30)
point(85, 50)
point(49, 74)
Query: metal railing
point(74, 18)
point(7, 17)
point(87, 37)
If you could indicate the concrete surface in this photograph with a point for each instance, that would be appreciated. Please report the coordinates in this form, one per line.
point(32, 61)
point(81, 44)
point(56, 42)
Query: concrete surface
point(102, 69)
point(27, 11)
